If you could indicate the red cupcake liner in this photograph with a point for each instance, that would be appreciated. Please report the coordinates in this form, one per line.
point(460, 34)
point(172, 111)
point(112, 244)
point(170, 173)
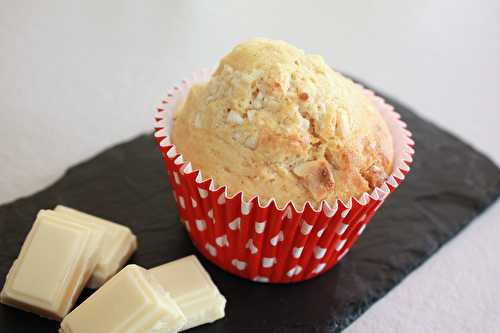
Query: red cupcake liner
point(262, 242)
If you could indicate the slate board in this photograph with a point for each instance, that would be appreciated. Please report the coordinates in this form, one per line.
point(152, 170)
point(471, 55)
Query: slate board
point(450, 183)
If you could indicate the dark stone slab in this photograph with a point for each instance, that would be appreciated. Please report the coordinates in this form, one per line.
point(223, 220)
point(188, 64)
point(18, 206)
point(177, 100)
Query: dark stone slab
point(450, 183)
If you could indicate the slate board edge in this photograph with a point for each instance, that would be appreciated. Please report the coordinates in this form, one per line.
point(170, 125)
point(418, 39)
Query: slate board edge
point(357, 311)
point(391, 100)
point(74, 166)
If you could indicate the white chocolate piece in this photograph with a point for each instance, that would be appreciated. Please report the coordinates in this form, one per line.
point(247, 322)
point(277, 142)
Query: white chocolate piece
point(130, 302)
point(54, 264)
point(192, 289)
point(118, 245)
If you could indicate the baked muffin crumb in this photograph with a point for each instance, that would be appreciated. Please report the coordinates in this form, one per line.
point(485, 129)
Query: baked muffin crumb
point(278, 123)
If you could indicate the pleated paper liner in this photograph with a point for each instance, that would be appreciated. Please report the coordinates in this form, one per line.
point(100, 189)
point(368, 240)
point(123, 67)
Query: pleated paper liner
point(259, 241)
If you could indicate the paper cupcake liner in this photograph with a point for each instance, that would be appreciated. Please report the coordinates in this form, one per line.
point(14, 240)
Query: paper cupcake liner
point(262, 242)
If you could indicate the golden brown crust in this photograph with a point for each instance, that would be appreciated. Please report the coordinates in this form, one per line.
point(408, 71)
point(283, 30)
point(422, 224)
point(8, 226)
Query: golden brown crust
point(316, 176)
point(275, 122)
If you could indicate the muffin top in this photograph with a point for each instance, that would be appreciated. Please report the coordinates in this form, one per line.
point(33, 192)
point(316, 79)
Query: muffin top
point(276, 122)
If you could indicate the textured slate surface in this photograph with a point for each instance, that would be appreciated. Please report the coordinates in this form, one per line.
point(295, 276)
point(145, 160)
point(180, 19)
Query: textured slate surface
point(449, 185)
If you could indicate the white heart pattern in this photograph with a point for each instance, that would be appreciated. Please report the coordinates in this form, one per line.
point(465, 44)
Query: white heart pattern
point(278, 238)
point(235, 224)
point(199, 177)
point(305, 228)
point(340, 244)
point(342, 255)
point(294, 271)
point(289, 213)
point(342, 228)
point(245, 208)
point(211, 249)
point(188, 168)
point(319, 268)
point(221, 199)
point(203, 193)
point(268, 262)
point(330, 212)
point(361, 229)
point(320, 232)
point(297, 252)
point(181, 202)
point(176, 178)
point(193, 203)
point(240, 265)
point(260, 226)
point(210, 214)
point(345, 212)
point(261, 279)
point(319, 252)
point(250, 245)
point(171, 152)
point(222, 240)
point(200, 225)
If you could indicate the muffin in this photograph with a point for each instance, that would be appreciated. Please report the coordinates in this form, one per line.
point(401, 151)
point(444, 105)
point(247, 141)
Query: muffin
point(276, 162)
point(275, 122)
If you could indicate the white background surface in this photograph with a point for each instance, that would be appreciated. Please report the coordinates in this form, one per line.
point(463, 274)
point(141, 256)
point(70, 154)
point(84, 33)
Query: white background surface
point(77, 77)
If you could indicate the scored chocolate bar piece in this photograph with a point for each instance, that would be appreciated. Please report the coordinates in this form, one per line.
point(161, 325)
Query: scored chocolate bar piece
point(118, 245)
point(54, 264)
point(192, 289)
point(130, 302)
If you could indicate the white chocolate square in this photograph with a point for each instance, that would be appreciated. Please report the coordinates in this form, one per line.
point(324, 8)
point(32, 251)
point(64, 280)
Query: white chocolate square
point(130, 302)
point(54, 264)
point(118, 245)
point(192, 288)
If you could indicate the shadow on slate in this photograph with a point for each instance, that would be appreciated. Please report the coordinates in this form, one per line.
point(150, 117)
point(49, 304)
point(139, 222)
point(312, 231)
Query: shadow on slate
point(450, 183)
